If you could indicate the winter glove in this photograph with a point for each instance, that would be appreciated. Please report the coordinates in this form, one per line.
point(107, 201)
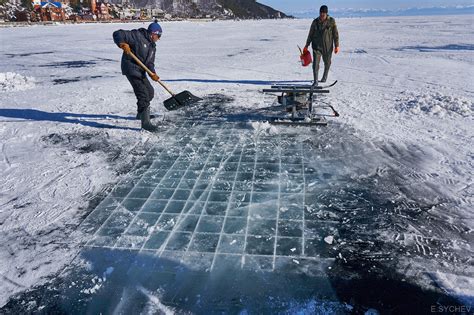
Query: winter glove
point(336, 50)
point(126, 48)
point(155, 77)
point(305, 49)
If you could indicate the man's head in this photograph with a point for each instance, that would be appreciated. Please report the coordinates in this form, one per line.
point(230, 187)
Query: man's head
point(323, 12)
point(155, 30)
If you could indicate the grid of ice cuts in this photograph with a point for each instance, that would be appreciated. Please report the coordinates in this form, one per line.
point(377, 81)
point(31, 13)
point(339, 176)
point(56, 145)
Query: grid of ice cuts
point(217, 195)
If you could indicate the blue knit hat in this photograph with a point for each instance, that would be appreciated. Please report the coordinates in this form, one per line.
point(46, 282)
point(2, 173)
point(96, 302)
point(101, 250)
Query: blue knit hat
point(155, 28)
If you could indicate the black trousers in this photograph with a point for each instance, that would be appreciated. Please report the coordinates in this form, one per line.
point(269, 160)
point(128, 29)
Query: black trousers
point(143, 91)
point(317, 61)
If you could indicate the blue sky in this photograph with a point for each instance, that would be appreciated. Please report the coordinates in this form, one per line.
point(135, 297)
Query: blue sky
point(304, 5)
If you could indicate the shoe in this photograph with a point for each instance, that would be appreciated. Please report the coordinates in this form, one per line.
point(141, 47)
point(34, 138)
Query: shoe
point(145, 119)
point(325, 75)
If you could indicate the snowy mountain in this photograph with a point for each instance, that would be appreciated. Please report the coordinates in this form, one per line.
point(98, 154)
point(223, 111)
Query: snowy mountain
point(250, 9)
point(234, 8)
point(353, 12)
point(242, 9)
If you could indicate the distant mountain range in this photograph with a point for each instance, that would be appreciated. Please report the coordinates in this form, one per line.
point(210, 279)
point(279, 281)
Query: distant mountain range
point(250, 9)
point(243, 9)
point(350, 12)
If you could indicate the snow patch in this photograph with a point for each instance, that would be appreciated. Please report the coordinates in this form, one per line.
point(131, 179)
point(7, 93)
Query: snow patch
point(264, 127)
point(313, 306)
point(97, 282)
point(435, 104)
point(458, 285)
point(154, 305)
point(10, 81)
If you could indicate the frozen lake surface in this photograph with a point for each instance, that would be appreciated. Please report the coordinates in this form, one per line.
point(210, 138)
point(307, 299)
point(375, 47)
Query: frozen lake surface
point(219, 211)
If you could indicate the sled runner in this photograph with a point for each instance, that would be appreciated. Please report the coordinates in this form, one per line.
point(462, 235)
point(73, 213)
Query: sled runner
point(305, 87)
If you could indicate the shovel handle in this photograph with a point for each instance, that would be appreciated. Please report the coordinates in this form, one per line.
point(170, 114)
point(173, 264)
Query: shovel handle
point(140, 63)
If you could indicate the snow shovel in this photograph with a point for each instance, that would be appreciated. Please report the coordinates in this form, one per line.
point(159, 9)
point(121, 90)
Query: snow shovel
point(176, 101)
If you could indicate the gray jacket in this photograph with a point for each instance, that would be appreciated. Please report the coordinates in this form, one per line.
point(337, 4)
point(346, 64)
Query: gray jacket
point(323, 35)
point(142, 46)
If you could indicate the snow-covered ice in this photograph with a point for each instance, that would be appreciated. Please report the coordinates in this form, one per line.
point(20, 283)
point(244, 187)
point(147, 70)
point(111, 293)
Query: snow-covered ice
point(10, 81)
point(435, 104)
point(384, 190)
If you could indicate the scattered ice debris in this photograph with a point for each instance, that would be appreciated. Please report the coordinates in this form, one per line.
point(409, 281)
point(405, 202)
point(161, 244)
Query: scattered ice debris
point(233, 242)
point(435, 104)
point(296, 261)
point(329, 239)
point(97, 282)
point(264, 127)
point(293, 249)
point(10, 81)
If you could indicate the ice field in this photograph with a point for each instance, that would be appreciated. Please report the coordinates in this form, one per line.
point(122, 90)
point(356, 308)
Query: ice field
point(220, 211)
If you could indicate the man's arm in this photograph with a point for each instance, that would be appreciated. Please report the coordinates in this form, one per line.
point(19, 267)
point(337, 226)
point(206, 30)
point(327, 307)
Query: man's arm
point(310, 35)
point(122, 36)
point(335, 34)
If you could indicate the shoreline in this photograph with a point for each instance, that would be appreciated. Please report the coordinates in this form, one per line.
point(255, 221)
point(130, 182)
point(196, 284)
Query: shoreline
point(47, 23)
point(52, 23)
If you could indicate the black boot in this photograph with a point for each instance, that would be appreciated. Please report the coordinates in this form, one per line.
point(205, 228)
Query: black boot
point(325, 76)
point(145, 119)
point(138, 116)
point(315, 76)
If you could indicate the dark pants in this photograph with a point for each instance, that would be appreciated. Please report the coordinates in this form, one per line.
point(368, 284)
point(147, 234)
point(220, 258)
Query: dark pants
point(143, 91)
point(317, 60)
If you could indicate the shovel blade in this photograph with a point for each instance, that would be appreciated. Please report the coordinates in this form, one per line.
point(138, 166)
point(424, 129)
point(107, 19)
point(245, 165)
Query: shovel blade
point(181, 100)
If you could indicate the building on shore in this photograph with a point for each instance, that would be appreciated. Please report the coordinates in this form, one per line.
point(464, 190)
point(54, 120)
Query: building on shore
point(48, 11)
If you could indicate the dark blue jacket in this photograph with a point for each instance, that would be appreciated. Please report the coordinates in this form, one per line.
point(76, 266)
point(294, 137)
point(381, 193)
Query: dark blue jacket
point(142, 46)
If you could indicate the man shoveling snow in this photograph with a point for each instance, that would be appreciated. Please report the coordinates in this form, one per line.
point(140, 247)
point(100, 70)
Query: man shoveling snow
point(142, 43)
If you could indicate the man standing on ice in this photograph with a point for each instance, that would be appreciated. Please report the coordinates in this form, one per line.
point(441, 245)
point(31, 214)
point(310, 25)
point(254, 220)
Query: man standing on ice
point(142, 43)
point(324, 37)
